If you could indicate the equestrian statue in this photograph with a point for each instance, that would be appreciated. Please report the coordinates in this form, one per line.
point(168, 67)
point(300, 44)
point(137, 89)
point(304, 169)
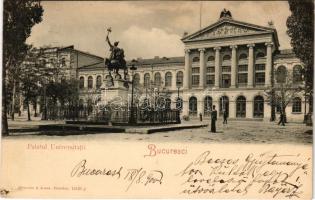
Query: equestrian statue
point(116, 60)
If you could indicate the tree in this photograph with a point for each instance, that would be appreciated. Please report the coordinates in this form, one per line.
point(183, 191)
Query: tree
point(283, 91)
point(301, 30)
point(29, 78)
point(18, 19)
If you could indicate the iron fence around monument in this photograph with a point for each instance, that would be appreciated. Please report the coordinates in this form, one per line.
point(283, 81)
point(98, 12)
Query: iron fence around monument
point(119, 116)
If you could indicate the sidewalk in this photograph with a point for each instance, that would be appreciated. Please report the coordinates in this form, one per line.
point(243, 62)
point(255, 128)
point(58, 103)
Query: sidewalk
point(37, 126)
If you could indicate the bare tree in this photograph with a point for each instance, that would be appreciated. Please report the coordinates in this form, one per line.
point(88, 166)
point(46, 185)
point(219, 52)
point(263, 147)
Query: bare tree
point(283, 91)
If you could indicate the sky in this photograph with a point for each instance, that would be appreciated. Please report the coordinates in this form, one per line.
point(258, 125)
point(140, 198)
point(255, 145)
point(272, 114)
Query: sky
point(145, 29)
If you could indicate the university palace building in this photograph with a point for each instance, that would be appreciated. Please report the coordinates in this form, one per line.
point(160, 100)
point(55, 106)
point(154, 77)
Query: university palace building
point(229, 64)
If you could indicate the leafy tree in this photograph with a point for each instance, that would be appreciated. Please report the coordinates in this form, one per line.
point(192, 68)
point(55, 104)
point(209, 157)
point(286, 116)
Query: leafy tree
point(301, 30)
point(19, 16)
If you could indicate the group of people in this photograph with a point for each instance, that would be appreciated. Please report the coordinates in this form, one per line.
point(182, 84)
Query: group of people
point(214, 115)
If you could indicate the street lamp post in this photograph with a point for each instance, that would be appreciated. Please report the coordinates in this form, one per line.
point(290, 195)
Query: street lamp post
point(132, 119)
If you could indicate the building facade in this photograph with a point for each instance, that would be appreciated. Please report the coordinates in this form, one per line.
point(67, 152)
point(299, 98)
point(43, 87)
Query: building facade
point(229, 64)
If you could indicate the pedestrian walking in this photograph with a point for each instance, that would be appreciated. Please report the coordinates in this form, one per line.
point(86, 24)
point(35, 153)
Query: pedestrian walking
point(213, 119)
point(200, 117)
point(281, 119)
point(225, 115)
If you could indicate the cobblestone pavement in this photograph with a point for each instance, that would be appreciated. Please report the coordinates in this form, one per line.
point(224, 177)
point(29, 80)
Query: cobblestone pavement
point(233, 132)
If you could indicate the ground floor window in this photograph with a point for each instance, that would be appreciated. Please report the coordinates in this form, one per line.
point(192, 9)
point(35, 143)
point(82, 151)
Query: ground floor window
point(224, 105)
point(297, 105)
point(241, 107)
point(259, 107)
point(207, 106)
point(193, 106)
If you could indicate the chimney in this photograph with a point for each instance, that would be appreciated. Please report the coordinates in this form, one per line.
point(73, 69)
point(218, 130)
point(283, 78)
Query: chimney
point(156, 57)
point(185, 34)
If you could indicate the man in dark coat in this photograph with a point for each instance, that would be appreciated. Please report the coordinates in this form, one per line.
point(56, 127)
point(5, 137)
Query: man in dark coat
point(213, 119)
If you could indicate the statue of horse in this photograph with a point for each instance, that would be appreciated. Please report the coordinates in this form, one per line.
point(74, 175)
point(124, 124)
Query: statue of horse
point(116, 60)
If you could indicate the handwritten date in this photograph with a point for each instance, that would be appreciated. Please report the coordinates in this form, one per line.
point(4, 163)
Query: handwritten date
point(130, 175)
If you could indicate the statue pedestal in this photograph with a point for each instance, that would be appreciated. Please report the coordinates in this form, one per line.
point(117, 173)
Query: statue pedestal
point(114, 94)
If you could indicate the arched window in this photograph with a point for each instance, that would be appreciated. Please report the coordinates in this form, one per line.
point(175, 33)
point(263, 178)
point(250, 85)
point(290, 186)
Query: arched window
point(98, 82)
point(207, 106)
point(193, 106)
point(168, 79)
point(81, 82)
point(227, 57)
point(243, 56)
point(168, 103)
point(179, 79)
point(179, 104)
point(146, 80)
point(259, 107)
point(63, 62)
point(281, 74)
point(211, 58)
point(297, 74)
point(297, 105)
point(224, 105)
point(109, 80)
point(195, 59)
point(241, 107)
point(157, 79)
point(136, 79)
point(90, 82)
point(260, 55)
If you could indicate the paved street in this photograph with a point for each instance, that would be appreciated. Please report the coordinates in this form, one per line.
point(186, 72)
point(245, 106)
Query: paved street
point(234, 132)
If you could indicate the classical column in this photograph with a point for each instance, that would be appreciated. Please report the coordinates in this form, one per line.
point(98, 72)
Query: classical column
point(250, 80)
point(217, 67)
point(268, 69)
point(94, 81)
point(86, 81)
point(233, 66)
point(187, 70)
point(202, 68)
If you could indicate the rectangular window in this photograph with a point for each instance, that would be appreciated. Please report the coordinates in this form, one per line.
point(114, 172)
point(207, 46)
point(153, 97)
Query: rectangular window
point(260, 67)
point(195, 80)
point(242, 68)
point(242, 78)
point(226, 80)
point(260, 78)
point(210, 69)
point(210, 80)
point(195, 70)
point(226, 69)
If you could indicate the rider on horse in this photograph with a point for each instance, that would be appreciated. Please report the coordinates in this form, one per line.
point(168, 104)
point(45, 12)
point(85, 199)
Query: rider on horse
point(116, 60)
point(115, 51)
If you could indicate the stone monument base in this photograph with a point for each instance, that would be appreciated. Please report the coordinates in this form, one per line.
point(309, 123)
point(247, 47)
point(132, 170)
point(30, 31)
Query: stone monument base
point(115, 94)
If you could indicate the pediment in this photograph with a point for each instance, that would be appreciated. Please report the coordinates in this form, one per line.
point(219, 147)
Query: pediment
point(225, 29)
